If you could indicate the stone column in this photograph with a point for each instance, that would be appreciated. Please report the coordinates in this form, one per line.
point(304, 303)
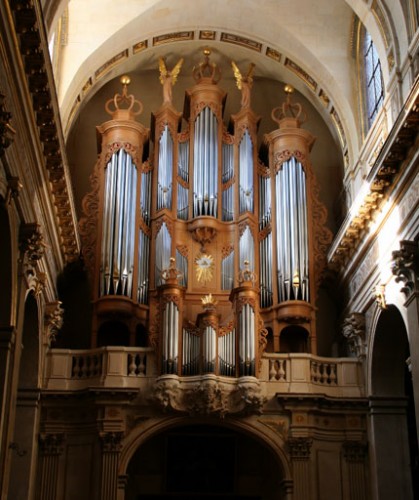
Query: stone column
point(50, 448)
point(111, 448)
point(299, 450)
point(406, 269)
point(7, 347)
point(355, 453)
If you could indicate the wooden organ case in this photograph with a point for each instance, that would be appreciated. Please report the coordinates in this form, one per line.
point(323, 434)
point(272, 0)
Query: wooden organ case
point(201, 247)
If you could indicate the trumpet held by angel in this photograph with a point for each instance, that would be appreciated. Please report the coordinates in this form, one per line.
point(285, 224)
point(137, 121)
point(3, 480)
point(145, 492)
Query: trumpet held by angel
point(244, 83)
point(168, 78)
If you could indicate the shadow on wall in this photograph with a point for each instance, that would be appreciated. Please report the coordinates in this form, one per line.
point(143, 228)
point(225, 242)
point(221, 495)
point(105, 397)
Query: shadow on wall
point(74, 293)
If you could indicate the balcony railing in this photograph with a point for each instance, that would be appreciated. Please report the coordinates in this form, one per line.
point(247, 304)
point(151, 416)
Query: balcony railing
point(136, 368)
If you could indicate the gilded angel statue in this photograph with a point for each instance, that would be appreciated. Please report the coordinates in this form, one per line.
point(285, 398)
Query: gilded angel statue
point(244, 83)
point(168, 78)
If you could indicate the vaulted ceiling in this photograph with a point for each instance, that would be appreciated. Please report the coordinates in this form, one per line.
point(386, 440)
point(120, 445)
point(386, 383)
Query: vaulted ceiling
point(309, 44)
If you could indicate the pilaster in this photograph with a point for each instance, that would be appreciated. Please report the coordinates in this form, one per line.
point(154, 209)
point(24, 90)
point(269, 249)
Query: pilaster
point(300, 450)
point(51, 448)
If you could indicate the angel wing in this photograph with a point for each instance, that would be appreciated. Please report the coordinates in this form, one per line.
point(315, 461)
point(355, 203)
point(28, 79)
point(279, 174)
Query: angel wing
point(250, 71)
point(237, 74)
point(176, 70)
point(163, 70)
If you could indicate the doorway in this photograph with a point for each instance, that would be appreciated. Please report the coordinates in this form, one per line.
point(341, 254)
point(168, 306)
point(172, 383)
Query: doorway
point(205, 462)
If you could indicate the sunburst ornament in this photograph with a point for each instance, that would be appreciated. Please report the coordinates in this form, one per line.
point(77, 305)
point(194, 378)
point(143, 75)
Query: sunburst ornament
point(204, 265)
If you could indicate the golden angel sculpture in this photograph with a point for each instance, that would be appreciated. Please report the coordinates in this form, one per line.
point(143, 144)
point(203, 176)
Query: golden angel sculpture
point(244, 83)
point(168, 78)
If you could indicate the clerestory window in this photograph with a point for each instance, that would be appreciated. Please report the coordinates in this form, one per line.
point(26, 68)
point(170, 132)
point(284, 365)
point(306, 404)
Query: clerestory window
point(374, 91)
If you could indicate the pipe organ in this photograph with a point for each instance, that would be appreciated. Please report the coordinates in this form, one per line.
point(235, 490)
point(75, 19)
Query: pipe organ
point(202, 243)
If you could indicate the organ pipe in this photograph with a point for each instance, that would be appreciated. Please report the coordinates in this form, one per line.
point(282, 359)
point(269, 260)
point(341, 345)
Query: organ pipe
point(145, 199)
point(227, 271)
point(226, 178)
point(205, 186)
point(163, 252)
point(117, 246)
point(246, 322)
point(165, 170)
point(182, 266)
point(170, 337)
point(265, 271)
point(143, 267)
point(292, 248)
point(247, 248)
point(246, 174)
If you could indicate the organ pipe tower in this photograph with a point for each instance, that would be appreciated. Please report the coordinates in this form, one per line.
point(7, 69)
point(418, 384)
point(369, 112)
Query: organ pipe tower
point(200, 248)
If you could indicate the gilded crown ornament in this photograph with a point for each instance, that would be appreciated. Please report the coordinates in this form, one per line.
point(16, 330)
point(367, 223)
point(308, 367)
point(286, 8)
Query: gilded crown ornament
point(130, 106)
point(207, 71)
point(289, 109)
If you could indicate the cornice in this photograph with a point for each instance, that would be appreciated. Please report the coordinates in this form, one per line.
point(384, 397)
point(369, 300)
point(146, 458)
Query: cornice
point(380, 182)
point(33, 45)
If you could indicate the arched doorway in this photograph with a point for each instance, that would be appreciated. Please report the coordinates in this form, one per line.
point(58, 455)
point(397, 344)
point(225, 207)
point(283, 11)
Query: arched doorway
point(394, 445)
point(203, 462)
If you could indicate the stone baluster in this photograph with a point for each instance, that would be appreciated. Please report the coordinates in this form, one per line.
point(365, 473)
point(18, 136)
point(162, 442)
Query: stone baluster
point(50, 449)
point(111, 448)
point(299, 450)
point(355, 453)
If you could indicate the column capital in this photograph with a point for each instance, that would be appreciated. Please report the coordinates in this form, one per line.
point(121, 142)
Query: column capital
point(111, 441)
point(299, 448)
point(355, 451)
point(51, 443)
point(406, 266)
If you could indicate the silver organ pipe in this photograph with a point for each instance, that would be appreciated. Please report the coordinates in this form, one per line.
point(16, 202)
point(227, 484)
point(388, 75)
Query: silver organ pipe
point(291, 224)
point(226, 177)
point(205, 185)
point(183, 181)
point(145, 201)
point(182, 265)
point(190, 352)
point(165, 172)
point(246, 174)
point(117, 255)
point(227, 354)
point(209, 349)
point(170, 337)
point(247, 340)
point(227, 271)
point(264, 201)
point(247, 248)
point(143, 267)
point(163, 252)
point(265, 271)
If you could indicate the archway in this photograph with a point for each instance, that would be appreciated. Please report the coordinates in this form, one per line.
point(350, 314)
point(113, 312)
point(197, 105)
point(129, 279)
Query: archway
point(200, 461)
point(24, 445)
point(394, 450)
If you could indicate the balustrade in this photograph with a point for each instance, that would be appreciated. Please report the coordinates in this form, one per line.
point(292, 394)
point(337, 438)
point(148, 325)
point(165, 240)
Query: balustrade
point(135, 367)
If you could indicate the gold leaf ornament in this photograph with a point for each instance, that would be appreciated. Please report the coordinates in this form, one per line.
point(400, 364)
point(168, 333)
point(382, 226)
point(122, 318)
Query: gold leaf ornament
point(204, 266)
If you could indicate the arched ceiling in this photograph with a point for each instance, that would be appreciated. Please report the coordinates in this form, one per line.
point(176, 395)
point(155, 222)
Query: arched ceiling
point(305, 43)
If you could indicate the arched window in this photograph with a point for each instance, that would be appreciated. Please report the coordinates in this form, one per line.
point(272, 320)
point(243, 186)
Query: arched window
point(374, 90)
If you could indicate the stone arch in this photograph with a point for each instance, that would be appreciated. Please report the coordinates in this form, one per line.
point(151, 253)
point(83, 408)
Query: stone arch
point(264, 435)
point(390, 405)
